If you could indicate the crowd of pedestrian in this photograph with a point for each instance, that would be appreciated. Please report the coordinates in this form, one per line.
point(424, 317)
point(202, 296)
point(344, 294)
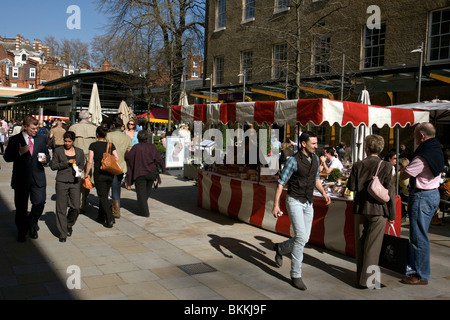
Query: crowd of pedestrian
point(75, 152)
point(419, 177)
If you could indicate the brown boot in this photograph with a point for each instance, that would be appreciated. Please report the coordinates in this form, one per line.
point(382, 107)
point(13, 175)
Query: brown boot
point(116, 209)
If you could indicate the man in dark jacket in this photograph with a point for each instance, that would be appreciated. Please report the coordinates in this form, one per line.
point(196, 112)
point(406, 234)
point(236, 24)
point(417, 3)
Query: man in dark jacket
point(301, 174)
point(28, 177)
point(424, 173)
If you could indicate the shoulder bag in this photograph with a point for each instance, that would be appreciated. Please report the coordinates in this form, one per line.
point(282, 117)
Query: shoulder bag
point(377, 190)
point(109, 163)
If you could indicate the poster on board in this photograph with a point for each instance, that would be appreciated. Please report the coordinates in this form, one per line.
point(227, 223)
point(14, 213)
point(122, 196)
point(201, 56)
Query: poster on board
point(175, 152)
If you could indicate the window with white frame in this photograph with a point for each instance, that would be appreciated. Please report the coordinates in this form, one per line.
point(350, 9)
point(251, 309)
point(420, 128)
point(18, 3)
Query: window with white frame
point(194, 64)
point(15, 72)
point(247, 64)
point(281, 5)
point(279, 61)
point(14, 85)
point(439, 35)
point(218, 70)
point(221, 10)
point(32, 73)
point(321, 55)
point(194, 74)
point(249, 10)
point(374, 41)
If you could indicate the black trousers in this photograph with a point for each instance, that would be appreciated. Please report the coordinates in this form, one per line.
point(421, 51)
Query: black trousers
point(103, 186)
point(144, 185)
point(67, 195)
point(22, 195)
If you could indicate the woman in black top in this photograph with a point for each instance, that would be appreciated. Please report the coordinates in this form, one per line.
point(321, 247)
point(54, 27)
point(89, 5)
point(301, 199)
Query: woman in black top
point(103, 180)
point(68, 185)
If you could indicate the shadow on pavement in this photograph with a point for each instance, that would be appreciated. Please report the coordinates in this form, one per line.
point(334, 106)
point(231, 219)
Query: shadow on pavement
point(24, 270)
point(247, 252)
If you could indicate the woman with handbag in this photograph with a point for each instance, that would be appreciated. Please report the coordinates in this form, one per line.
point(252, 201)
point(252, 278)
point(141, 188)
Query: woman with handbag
point(103, 179)
point(370, 214)
point(143, 159)
point(69, 162)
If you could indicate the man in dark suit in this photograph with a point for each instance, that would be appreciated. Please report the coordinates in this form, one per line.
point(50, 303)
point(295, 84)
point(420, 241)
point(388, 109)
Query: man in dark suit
point(28, 177)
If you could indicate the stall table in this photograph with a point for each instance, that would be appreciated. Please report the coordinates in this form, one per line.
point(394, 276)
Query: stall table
point(252, 202)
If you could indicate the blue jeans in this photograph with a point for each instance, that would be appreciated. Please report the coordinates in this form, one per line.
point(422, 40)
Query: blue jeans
point(421, 208)
point(301, 216)
point(115, 187)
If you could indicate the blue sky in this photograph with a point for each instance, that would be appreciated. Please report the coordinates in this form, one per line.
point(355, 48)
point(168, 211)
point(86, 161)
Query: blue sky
point(38, 19)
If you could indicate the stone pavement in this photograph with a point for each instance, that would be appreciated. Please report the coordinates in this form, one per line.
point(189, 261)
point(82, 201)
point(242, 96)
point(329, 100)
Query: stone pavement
point(182, 252)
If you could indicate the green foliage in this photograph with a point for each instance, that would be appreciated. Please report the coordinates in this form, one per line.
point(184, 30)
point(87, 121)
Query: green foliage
point(334, 175)
point(158, 144)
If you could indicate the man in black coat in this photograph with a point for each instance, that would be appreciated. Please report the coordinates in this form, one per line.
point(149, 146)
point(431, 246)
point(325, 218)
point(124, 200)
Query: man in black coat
point(28, 177)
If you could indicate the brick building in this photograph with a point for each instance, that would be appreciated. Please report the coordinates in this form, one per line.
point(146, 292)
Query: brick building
point(26, 66)
point(266, 41)
point(290, 49)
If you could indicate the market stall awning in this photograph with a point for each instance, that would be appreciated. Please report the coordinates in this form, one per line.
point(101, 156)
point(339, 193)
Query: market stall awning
point(439, 110)
point(157, 115)
point(49, 118)
point(315, 111)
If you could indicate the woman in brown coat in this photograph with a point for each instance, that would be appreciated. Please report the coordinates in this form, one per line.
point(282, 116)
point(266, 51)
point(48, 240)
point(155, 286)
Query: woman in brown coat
point(370, 215)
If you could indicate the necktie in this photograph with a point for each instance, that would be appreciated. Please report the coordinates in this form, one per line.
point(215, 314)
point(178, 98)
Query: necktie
point(30, 143)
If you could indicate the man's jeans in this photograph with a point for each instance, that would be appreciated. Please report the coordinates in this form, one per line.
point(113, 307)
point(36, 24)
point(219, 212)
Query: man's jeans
point(421, 208)
point(115, 187)
point(301, 216)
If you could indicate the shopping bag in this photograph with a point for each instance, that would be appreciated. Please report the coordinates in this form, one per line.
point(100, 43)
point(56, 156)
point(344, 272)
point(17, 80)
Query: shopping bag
point(87, 184)
point(396, 254)
point(109, 163)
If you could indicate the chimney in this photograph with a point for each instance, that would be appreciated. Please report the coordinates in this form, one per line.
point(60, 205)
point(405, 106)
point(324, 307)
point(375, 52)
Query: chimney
point(18, 41)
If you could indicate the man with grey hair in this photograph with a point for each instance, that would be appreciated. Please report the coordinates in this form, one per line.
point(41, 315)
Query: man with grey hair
point(424, 173)
point(85, 134)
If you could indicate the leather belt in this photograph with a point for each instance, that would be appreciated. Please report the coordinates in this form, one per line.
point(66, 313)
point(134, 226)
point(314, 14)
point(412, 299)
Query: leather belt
point(417, 190)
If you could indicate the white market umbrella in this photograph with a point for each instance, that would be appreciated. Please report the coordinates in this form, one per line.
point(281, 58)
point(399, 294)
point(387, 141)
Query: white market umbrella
point(95, 107)
point(362, 131)
point(183, 99)
point(125, 112)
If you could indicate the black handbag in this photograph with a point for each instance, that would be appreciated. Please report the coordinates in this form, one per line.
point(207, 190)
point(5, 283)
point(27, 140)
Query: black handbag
point(396, 254)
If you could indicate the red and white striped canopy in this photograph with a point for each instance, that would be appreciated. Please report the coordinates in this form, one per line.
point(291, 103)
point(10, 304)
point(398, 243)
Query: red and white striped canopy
point(316, 111)
point(49, 118)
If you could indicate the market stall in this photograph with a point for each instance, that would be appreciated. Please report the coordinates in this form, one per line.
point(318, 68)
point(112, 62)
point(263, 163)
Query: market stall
point(156, 115)
point(235, 192)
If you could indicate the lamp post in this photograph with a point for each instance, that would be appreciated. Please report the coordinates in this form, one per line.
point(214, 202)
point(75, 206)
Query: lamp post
point(419, 88)
point(242, 74)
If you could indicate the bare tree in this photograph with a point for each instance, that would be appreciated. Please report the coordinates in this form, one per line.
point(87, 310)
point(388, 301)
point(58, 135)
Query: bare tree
point(160, 29)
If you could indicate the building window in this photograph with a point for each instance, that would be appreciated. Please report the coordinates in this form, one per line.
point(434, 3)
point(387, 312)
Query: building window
point(281, 5)
point(439, 35)
point(321, 54)
point(31, 86)
point(221, 9)
point(195, 64)
point(24, 57)
point(279, 60)
point(246, 64)
point(249, 10)
point(32, 73)
point(194, 74)
point(374, 40)
point(218, 70)
point(15, 72)
point(13, 85)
